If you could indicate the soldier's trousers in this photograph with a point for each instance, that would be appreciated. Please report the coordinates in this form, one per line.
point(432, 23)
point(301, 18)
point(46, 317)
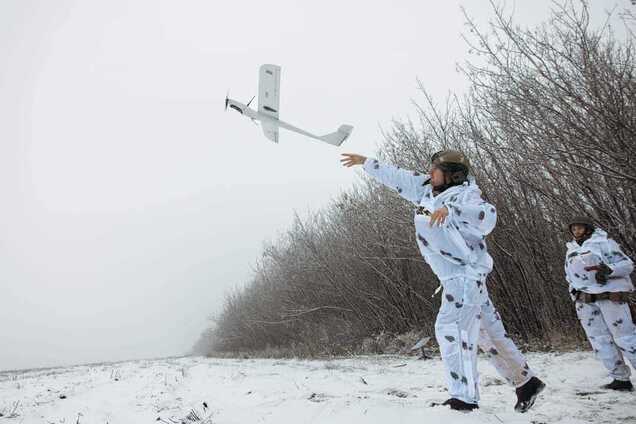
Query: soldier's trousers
point(467, 320)
point(612, 334)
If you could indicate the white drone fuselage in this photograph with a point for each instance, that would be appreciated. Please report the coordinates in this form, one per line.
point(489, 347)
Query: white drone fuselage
point(267, 113)
point(335, 138)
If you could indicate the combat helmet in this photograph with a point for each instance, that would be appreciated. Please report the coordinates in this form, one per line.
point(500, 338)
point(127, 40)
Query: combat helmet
point(454, 164)
point(581, 220)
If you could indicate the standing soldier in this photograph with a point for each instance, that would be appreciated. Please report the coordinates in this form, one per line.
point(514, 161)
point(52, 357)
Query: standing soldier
point(598, 274)
point(451, 223)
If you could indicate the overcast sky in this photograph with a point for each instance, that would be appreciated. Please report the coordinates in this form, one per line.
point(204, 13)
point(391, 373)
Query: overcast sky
point(131, 202)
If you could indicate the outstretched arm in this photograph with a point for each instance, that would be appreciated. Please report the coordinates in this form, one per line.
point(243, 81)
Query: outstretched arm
point(409, 184)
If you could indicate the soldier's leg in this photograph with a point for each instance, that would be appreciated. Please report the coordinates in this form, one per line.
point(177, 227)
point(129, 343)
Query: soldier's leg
point(457, 331)
point(502, 352)
point(601, 339)
point(618, 319)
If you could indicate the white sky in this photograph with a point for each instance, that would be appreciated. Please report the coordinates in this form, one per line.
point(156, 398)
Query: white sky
point(131, 202)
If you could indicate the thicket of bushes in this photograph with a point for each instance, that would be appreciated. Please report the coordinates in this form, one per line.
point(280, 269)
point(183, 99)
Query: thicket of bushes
point(549, 124)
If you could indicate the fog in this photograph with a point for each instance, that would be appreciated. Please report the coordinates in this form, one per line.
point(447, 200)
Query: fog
point(131, 202)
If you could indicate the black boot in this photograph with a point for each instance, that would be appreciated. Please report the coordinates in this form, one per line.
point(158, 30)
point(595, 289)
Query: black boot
point(623, 386)
point(459, 405)
point(527, 394)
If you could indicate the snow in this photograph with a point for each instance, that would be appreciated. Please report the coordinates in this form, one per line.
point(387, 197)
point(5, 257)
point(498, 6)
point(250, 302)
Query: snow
point(369, 389)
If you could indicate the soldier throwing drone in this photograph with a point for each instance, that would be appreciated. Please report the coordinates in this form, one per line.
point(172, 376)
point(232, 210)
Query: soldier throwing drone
point(451, 223)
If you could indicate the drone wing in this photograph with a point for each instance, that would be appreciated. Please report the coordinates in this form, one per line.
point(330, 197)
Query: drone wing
point(269, 91)
point(270, 131)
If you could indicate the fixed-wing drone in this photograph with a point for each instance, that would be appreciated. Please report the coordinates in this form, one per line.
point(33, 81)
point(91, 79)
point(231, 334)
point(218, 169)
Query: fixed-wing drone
point(267, 113)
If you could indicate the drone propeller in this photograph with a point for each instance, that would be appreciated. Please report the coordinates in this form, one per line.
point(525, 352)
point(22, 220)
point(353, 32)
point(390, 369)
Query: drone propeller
point(227, 99)
point(248, 103)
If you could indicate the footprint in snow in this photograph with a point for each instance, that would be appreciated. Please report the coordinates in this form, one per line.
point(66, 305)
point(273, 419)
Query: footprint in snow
point(399, 393)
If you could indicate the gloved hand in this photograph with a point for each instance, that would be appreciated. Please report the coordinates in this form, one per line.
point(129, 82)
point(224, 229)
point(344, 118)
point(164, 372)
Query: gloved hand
point(602, 272)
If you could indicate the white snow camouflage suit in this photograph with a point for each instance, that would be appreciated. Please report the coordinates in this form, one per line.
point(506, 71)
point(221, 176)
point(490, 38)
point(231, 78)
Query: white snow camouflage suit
point(456, 252)
point(607, 324)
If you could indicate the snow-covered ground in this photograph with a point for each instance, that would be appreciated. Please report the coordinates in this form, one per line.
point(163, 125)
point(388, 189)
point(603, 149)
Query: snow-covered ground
point(374, 389)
